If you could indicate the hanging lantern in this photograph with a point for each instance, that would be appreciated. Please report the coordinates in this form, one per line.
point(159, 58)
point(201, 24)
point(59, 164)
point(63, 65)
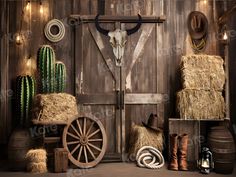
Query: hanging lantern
point(205, 162)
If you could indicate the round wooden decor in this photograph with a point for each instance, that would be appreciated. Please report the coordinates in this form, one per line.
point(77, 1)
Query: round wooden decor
point(48, 30)
point(85, 140)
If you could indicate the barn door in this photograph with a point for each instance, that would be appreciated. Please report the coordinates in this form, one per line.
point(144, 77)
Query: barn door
point(142, 79)
point(119, 96)
point(98, 83)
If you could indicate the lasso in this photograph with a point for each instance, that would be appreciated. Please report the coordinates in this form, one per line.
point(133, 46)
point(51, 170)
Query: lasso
point(151, 154)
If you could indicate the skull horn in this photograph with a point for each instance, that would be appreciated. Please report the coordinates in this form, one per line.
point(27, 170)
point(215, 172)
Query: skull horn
point(99, 28)
point(136, 28)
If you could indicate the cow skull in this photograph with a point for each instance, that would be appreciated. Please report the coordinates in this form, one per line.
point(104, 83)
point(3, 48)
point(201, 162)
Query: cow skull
point(118, 41)
point(118, 38)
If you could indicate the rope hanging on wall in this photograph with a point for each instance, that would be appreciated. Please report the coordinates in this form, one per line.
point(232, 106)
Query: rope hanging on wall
point(61, 30)
point(150, 157)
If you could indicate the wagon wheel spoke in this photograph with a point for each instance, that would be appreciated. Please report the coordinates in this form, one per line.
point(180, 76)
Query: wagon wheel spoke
point(72, 135)
point(85, 140)
point(94, 140)
point(73, 142)
point(84, 126)
point(75, 130)
point(90, 128)
point(72, 152)
point(85, 155)
point(80, 151)
point(94, 133)
point(95, 147)
point(80, 130)
point(90, 151)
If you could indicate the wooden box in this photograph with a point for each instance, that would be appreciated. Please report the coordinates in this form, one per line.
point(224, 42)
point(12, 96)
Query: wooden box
point(192, 128)
point(60, 160)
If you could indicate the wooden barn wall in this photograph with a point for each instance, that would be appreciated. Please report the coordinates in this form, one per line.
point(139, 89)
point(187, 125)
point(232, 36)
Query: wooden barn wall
point(232, 64)
point(172, 39)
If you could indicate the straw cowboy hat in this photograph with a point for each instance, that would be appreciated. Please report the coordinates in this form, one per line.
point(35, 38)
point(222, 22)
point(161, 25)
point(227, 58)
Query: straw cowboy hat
point(197, 25)
point(152, 122)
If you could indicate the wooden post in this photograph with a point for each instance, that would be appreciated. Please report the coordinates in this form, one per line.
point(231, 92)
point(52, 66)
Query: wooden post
point(60, 160)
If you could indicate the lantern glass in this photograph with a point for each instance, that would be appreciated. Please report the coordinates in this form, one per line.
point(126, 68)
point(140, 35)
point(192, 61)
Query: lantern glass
point(205, 163)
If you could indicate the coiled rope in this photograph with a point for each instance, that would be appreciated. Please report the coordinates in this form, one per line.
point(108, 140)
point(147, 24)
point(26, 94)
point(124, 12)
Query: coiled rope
point(149, 157)
point(61, 30)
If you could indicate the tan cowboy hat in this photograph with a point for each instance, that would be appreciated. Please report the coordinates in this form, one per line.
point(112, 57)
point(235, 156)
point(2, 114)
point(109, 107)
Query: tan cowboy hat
point(197, 25)
point(152, 123)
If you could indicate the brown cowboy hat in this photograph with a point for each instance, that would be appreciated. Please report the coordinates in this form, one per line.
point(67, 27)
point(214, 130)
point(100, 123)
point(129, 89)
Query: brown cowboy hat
point(152, 122)
point(197, 25)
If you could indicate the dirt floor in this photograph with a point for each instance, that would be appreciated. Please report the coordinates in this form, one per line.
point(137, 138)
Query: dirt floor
point(116, 170)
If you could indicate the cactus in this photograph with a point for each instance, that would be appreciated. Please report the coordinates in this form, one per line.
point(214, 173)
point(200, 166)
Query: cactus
point(45, 66)
point(24, 94)
point(60, 77)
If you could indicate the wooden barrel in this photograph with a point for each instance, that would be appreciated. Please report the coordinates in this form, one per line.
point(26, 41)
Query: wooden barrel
point(221, 143)
point(19, 144)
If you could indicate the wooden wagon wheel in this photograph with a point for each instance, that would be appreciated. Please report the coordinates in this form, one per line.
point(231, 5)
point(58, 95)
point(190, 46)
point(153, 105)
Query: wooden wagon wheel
point(85, 140)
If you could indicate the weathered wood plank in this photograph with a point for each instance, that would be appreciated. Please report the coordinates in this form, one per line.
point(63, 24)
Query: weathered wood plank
point(5, 93)
point(139, 98)
point(98, 99)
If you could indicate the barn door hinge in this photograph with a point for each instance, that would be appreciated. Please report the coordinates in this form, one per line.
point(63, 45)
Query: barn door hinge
point(120, 99)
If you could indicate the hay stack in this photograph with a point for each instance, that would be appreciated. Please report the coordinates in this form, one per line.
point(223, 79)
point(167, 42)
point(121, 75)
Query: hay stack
point(54, 107)
point(202, 72)
point(200, 104)
point(36, 161)
point(141, 136)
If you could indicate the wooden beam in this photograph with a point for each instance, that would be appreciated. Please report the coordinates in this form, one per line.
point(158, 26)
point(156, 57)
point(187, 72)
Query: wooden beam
point(123, 19)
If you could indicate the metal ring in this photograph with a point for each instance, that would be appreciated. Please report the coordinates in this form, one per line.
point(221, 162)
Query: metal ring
point(54, 37)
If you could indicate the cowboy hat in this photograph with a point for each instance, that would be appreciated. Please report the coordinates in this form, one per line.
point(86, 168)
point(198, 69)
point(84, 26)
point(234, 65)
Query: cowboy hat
point(197, 25)
point(152, 122)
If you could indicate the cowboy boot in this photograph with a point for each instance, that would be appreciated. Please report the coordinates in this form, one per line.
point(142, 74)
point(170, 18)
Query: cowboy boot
point(182, 154)
point(173, 165)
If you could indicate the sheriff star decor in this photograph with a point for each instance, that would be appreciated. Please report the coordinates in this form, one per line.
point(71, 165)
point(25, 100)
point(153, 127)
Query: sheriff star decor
point(118, 38)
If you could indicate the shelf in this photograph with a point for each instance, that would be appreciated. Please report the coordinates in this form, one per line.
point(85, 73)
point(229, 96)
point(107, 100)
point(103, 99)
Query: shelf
point(38, 122)
point(49, 140)
point(201, 120)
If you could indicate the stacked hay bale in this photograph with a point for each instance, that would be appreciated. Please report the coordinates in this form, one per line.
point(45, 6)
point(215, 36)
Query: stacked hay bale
point(54, 107)
point(141, 136)
point(36, 161)
point(203, 80)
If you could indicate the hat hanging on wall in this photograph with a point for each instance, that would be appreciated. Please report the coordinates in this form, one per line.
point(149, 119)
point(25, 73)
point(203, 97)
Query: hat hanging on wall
point(48, 30)
point(198, 30)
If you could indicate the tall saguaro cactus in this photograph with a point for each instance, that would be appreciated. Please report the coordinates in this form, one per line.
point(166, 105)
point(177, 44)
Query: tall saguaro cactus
point(60, 77)
point(24, 94)
point(46, 68)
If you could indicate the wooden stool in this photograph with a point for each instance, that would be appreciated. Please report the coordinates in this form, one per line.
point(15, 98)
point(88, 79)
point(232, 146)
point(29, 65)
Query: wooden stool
point(60, 160)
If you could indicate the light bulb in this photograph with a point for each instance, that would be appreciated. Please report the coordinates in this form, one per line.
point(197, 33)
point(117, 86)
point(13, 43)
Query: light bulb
point(205, 1)
point(18, 39)
point(28, 63)
point(41, 8)
point(28, 6)
point(225, 37)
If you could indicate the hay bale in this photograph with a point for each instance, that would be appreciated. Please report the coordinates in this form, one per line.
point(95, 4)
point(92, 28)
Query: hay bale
point(36, 155)
point(141, 136)
point(200, 104)
point(40, 167)
point(36, 160)
point(202, 72)
point(54, 107)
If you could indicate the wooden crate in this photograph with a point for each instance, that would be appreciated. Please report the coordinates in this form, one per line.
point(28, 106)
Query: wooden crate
point(60, 160)
point(192, 128)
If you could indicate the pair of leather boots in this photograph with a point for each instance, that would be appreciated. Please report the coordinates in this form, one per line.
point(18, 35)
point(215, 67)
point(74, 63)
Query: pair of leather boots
point(178, 152)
